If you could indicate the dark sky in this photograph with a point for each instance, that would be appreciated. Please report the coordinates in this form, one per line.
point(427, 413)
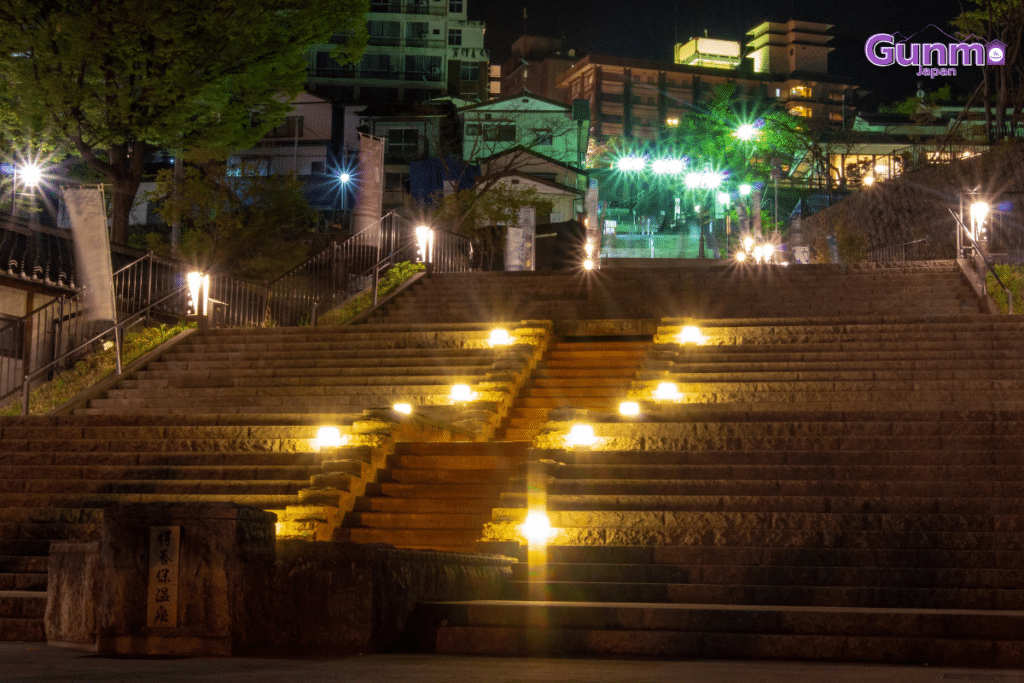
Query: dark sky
point(647, 29)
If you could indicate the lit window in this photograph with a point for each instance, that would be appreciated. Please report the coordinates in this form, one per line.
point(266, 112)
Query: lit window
point(800, 91)
point(800, 111)
point(835, 116)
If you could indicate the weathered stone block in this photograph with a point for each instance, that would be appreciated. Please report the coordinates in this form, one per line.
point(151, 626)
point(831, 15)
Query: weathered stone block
point(73, 580)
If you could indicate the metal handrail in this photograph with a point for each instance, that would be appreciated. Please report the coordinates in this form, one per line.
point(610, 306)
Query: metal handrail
point(891, 250)
point(980, 254)
point(118, 329)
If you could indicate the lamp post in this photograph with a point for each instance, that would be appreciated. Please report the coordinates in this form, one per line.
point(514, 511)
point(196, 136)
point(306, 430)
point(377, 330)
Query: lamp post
point(344, 179)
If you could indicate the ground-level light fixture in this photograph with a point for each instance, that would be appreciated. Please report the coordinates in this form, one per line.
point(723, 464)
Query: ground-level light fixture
point(668, 392)
point(691, 334)
point(403, 408)
point(629, 409)
point(329, 437)
point(581, 435)
point(462, 393)
point(869, 181)
point(536, 528)
point(500, 337)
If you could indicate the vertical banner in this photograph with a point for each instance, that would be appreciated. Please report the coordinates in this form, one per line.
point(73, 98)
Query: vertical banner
point(514, 250)
point(370, 189)
point(593, 224)
point(87, 211)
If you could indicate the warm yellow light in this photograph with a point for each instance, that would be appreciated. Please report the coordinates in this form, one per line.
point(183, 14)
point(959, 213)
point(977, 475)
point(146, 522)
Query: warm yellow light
point(403, 408)
point(424, 243)
point(629, 409)
point(329, 437)
point(979, 212)
point(667, 391)
point(31, 175)
point(869, 181)
point(581, 435)
point(588, 248)
point(672, 121)
point(278, 527)
point(748, 243)
point(691, 335)
point(537, 528)
point(588, 264)
point(198, 291)
point(879, 169)
point(741, 256)
point(461, 393)
point(500, 337)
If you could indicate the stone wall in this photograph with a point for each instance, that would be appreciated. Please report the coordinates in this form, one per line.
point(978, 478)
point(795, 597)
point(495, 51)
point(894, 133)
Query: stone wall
point(240, 591)
point(912, 207)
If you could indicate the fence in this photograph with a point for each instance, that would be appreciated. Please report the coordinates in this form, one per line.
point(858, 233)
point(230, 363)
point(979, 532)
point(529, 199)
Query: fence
point(145, 287)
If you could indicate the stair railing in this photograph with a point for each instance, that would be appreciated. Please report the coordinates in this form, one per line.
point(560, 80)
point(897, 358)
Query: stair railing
point(896, 252)
point(980, 264)
point(180, 296)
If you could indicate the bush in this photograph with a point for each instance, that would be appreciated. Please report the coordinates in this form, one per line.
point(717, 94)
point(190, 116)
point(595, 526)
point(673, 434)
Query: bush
point(93, 368)
point(1013, 277)
point(398, 274)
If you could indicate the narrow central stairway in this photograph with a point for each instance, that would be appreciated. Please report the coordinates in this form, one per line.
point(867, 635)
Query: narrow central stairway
point(439, 495)
point(575, 374)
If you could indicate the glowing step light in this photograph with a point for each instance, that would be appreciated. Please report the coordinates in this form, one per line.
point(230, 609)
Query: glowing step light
point(537, 528)
point(403, 408)
point(668, 392)
point(581, 435)
point(629, 409)
point(462, 393)
point(691, 335)
point(500, 337)
point(329, 437)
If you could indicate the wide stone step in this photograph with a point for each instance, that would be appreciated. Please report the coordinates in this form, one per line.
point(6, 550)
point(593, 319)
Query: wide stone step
point(151, 486)
point(164, 472)
point(418, 520)
point(461, 540)
point(21, 616)
point(437, 505)
point(265, 461)
point(160, 445)
point(885, 636)
point(23, 581)
point(445, 477)
point(810, 502)
point(779, 575)
point(829, 488)
point(505, 463)
point(100, 499)
point(489, 490)
point(871, 595)
point(795, 473)
point(963, 558)
point(963, 458)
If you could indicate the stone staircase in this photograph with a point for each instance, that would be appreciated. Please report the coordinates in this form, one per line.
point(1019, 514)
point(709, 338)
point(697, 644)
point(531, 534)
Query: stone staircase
point(231, 416)
point(574, 374)
point(704, 291)
point(841, 489)
point(57, 473)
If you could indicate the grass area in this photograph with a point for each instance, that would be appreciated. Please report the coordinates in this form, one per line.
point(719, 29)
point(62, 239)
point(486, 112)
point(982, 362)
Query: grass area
point(1012, 276)
point(353, 307)
point(93, 368)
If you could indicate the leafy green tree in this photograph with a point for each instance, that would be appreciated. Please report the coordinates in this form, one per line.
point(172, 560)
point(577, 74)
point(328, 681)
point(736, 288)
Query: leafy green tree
point(485, 216)
point(1001, 91)
point(235, 219)
point(111, 80)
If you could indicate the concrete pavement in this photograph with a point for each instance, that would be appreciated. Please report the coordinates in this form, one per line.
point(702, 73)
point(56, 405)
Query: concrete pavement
point(38, 663)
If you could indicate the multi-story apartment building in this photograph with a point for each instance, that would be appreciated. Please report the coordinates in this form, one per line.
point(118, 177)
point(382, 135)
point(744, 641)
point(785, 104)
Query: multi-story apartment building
point(639, 99)
point(417, 50)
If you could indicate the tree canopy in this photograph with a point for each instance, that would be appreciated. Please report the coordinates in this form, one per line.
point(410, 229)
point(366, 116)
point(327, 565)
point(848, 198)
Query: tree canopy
point(110, 80)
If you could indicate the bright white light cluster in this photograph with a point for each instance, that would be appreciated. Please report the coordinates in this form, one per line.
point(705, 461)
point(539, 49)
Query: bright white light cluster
point(758, 253)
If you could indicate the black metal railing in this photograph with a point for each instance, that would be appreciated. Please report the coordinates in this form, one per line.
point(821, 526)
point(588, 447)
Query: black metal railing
point(908, 251)
point(970, 253)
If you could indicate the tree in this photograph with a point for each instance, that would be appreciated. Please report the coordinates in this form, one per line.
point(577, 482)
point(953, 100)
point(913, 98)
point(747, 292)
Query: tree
point(235, 219)
point(1002, 86)
point(111, 80)
point(485, 216)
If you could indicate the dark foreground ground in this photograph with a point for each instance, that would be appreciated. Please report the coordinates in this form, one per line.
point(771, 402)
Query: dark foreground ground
point(25, 662)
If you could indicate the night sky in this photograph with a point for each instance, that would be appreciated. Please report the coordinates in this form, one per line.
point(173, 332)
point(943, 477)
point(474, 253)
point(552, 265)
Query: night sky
point(647, 29)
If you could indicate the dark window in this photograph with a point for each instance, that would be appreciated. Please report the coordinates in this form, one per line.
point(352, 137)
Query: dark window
point(288, 129)
point(469, 71)
point(403, 141)
point(500, 133)
point(455, 6)
point(11, 338)
point(455, 36)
